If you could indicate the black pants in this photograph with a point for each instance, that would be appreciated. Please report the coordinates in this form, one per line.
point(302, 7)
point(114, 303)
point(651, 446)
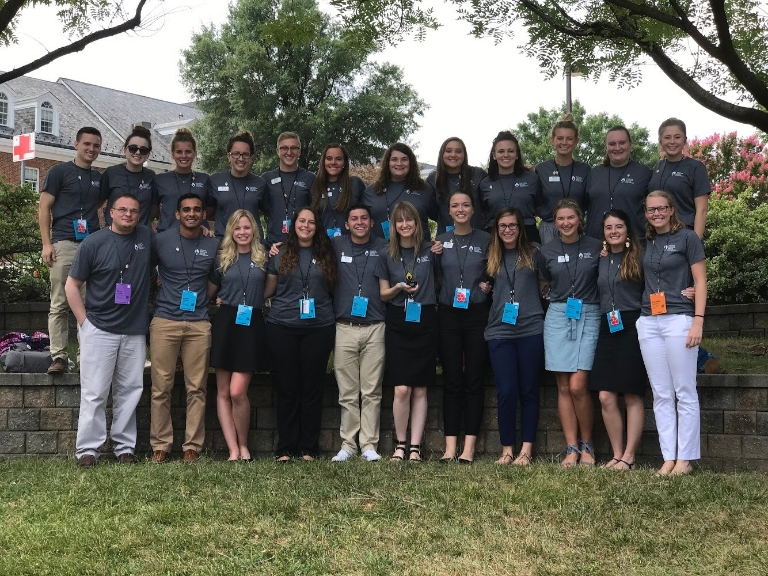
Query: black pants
point(299, 359)
point(464, 358)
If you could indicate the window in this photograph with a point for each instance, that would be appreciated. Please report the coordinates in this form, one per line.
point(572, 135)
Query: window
point(32, 175)
point(46, 118)
point(3, 109)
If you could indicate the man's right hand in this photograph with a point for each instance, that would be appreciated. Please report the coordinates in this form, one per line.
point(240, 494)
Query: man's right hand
point(49, 255)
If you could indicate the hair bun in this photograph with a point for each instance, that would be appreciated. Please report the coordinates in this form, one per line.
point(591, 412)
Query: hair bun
point(567, 117)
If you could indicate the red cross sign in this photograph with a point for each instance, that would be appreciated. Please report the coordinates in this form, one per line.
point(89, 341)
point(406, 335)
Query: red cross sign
point(23, 147)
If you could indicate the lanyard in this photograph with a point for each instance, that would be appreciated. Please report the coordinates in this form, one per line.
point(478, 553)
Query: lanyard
point(247, 278)
point(612, 189)
point(458, 259)
point(612, 282)
point(360, 277)
point(305, 278)
point(240, 205)
point(504, 191)
point(128, 180)
point(291, 192)
point(662, 180)
point(566, 193)
point(80, 179)
point(575, 268)
point(188, 270)
point(130, 254)
point(412, 272)
point(332, 187)
point(386, 199)
point(511, 281)
point(657, 268)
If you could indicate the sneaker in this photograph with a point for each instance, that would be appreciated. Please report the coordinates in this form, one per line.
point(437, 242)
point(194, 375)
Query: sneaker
point(160, 456)
point(58, 366)
point(342, 456)
point(371, 455)
point(87, 461)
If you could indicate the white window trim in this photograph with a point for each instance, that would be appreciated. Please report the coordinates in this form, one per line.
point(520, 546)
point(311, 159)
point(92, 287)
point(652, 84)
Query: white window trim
point(11, 104)
point(35, 182)
point(39, 117)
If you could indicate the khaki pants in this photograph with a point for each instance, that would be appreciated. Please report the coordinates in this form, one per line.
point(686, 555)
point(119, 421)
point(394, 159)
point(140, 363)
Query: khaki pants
point(358, 363)
point(167, 339)
point(58, 315)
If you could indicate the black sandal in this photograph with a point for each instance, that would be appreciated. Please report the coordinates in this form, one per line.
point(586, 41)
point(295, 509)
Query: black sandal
point(415, 449)
point(402, 445)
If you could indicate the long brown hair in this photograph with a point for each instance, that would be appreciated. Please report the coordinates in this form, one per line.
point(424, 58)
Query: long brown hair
point(496, 246)
point(630, 269)
point(413, 180)
point(322, 250)
point(441, 172)
point(674, 221)
point(320, 184)
point(404, 210)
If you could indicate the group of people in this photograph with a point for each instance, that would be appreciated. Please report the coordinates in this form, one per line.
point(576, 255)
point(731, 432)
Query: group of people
point(607, 292)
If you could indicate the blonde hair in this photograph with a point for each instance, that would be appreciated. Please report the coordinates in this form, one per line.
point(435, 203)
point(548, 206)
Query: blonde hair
point(566, 121)
point(183, 135)
point(287, 136)
point(674, 222)
point(568, 204)
point(496, 246)
point(404, 210)
point(228, 249)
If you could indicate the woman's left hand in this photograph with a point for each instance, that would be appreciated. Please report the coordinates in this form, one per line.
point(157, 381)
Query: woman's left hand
point(694, 334)
point(485, 287)
point(437, 247)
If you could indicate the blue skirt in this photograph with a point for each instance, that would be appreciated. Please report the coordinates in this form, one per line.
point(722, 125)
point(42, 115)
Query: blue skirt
point(569, 345)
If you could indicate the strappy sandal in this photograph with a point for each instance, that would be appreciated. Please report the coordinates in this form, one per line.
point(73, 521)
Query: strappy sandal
point(505, 459)
point(523, 459)
point(402, 445)
point(414, 453)
point(611, 463)
point(630, 465)
point(570, 449)
point(589, 449)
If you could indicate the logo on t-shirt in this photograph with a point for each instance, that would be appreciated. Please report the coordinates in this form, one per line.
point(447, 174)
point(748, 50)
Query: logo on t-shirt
point(201, 252)
point(422, 259)
point(196, 185)
point(627, 180)
point(669, 248)
point(585, 255)
point(138, 246)
point(678, 174)
point(521, 184)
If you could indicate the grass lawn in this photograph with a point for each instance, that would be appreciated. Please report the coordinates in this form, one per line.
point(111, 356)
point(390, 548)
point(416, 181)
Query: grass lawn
point(360, 518)
point(740, 355)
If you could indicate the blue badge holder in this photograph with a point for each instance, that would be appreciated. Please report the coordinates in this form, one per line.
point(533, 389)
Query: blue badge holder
point(449, 228)
point(509, 316)
point(286, 226)
point(359, 306)
point(306, 308)
point(615, 324)
point(333, 232)
point(81, 228)
point(385, 229)
point(412, 311)
point(573, 308)
point(188, 301)
point(461, 298)
point(244, 313)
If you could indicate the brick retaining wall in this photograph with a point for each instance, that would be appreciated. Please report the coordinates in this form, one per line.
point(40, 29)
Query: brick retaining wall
point(38, 416)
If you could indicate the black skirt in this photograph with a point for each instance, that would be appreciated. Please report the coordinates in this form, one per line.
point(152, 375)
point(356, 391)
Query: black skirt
point(238, 348)
point(411, 347)
point(618, 365)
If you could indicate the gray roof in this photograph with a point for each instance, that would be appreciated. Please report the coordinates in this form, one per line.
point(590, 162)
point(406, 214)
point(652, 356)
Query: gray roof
point(113, 112)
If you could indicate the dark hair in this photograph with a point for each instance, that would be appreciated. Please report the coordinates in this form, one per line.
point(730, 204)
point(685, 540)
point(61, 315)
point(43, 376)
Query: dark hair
point(493, 166)
point(183, 135)
point(242, 136)
point(87, 130)
point(441, 172)
point(471, 197)
point(566, 121)
point(320, 184)
point(568, 204)
point(616, 128)
point(139, 132)
point(495, 250)
point(322, 249)
point(358, 206)
point(631, 266)
point(413, 180)
point(187, 196)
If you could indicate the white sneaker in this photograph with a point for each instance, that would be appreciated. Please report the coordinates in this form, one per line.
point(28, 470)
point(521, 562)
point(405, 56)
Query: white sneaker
point(371, 455)
point(342, 456)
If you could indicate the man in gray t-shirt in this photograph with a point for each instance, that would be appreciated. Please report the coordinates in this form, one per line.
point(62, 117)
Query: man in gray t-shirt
point(112, 324)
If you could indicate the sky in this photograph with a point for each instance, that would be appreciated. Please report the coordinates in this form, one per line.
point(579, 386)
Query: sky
point(474, 88)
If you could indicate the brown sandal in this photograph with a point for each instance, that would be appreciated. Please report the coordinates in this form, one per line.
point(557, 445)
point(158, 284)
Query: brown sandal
point(505, 459)
point(523, 459)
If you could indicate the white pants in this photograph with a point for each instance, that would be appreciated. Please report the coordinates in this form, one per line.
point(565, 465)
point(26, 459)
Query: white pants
point(115, 360)
point(671, 369)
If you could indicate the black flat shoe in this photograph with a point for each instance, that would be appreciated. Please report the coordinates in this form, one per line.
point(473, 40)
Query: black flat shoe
point(448, 459)
point(465, 461)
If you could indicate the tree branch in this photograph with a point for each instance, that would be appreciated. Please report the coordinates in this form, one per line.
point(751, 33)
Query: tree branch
point(76, 46)
point(9, 11)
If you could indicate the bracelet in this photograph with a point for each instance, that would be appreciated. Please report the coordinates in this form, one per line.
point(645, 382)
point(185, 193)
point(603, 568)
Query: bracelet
point(698, 315)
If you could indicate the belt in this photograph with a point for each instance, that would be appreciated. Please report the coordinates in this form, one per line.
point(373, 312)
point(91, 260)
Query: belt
point(357, 324)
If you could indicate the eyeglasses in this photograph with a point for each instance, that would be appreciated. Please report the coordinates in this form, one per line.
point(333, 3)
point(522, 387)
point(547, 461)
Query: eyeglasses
point(238, 155)
point(289, 148)
point(124, 210)
point(188, 209)
point(659, 209)
point(143, 150)
point(508, 226)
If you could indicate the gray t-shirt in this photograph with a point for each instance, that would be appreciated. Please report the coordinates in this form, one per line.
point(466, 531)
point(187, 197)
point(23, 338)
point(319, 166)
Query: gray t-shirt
point(571, 269)
point(684, 180)
point(381, 205)
point(462, 264)
point(228, 194)
point(454, 183)
point(622, 188)
point(521, 192)
point(242, 276)
point(356, 266)
point(286, 192)
point(118, 180)
point(99, 260)
point(558, 182)
point(615, 293)
point(667, 268)
point(307, 278)
point(169, 187)
point(333, 218)
point(423, 270)
point(530, 319)
point(183, 264)
point(76, 195)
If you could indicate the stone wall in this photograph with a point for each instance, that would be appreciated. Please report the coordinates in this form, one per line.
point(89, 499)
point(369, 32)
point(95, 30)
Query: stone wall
point(38, 416)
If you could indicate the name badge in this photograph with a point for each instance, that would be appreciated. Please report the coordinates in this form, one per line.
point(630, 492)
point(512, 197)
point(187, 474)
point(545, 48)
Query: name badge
point(385, 229)
point(448, 244)
point(511, 310)
point(223, 188)
point(614, 321)
point(554, 178)
point(244, 314)
point(461, 298)
point(286, 226)
point(658, 303)
point(412, 311)
point(333, 232)
point(81, 228)
point(188, 301)
point(449, 228)
point(276, 180)
point(573, 308)
point(346, 259)
point(564, 258)
point(122, 293)
point(359, 306)
point(306, 308)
